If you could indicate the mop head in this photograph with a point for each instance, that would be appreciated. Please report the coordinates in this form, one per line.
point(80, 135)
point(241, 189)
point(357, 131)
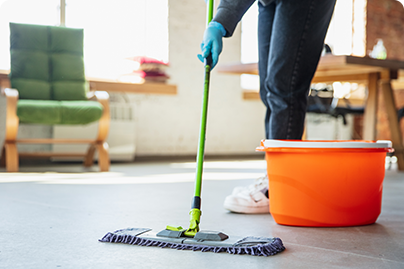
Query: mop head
point(256, 246)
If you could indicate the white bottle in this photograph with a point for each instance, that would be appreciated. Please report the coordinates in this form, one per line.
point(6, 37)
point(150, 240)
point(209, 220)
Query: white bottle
point(379, 51)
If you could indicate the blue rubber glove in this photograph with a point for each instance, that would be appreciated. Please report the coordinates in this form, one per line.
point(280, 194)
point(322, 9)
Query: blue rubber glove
point(212, 42)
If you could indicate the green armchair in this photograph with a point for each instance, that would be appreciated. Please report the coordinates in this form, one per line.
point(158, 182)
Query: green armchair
point(49, 87)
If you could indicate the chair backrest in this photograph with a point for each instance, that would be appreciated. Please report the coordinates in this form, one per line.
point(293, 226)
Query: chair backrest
point(47, 62)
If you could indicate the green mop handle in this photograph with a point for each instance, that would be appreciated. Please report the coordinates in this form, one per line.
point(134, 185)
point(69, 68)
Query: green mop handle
point(195, 212)
point(209, 14)
point(202, 131)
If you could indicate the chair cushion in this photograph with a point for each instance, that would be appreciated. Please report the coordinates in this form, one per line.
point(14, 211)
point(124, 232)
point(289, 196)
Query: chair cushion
point(29, 64)
point(52, 56)
point(58, 112)
point(38, 111)
point(29, 74)
point(66, 40)
point(69, 90)
point(32, 88)
point(67, 67)
point(80, 112)
point(47, 69)
point(29, 37)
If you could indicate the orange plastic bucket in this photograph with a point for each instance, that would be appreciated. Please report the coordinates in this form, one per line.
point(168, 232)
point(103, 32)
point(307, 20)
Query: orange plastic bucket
point(325, 183)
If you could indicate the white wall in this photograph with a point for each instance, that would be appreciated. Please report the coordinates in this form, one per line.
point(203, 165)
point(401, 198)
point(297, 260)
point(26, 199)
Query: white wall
point(169, 125)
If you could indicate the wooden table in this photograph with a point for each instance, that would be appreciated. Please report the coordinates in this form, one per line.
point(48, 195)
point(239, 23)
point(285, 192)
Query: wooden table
point(98, 84)
point(377, 74)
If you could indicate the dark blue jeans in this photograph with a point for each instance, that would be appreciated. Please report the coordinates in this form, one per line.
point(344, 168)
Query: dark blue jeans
point(290, 41)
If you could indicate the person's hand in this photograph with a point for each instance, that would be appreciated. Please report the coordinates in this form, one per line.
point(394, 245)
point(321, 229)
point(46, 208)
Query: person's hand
point(212, 42)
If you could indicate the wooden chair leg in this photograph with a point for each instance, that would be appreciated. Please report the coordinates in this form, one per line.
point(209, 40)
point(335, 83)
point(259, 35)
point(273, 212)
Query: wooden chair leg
point(89, 157)
point(3, 157)
point(103, 156)
point(11, 155)
point(10, 151)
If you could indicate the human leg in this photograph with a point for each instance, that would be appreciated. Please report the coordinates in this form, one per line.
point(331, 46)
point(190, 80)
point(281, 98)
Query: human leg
point(265, 23)
point(288, 58)
point(296, 41)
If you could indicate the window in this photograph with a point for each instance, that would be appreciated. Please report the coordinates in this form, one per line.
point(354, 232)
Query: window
point(44, 12)
point(249, 46)
point(113, 30)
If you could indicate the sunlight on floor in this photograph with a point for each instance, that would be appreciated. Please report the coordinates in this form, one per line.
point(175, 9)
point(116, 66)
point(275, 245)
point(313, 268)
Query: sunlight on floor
point(116, 178)
point(159, 173)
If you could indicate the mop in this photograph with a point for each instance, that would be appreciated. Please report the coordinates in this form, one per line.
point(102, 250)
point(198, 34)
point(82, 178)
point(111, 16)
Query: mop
point(193, 238)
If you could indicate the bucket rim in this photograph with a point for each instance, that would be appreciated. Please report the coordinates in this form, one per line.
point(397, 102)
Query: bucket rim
point(340, 145)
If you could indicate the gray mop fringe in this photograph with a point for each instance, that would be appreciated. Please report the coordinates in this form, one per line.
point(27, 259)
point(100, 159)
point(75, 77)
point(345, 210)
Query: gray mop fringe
point(268, 249)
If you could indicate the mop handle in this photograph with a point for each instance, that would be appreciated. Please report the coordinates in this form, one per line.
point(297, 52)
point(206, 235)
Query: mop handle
point(209, 14)
point(202, 131)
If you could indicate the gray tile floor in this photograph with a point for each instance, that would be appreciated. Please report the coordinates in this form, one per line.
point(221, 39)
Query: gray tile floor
point(53, 219)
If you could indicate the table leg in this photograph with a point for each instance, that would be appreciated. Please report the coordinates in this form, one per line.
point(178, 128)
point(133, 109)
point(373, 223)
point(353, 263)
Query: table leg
point(394, 125)
point(370, 115)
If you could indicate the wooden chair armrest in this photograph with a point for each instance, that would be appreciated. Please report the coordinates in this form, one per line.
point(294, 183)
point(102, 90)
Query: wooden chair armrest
point(97, 95)
point(101, 95)
point(12, 120)
point(90, 95)
point(9, 93)
point(104, 122)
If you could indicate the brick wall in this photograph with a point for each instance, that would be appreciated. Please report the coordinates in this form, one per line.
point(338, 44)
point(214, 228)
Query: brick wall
point(385, 20)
